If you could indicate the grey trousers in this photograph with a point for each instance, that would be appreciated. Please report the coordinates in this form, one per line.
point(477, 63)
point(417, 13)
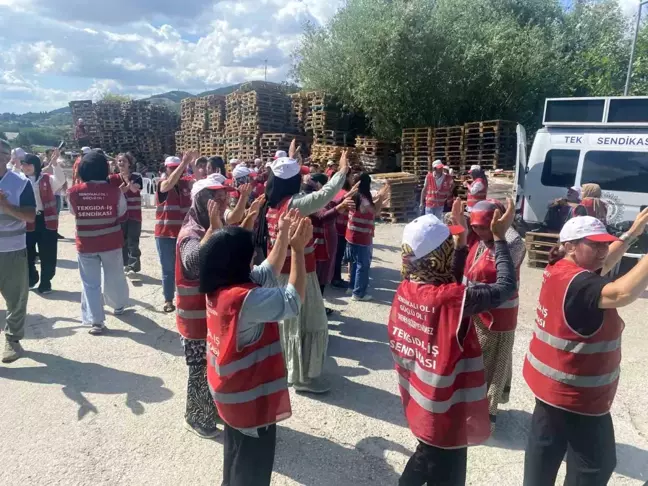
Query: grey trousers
point(14, 288)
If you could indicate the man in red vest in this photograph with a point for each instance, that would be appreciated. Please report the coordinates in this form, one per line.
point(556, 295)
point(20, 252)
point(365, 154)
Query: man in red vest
point(437, 190)
point(435, 348)
point(573, 362)
point(246, 371)
point(98, 208)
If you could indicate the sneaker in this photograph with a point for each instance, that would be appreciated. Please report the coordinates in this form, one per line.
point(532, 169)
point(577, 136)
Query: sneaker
point(318, 386)
point(169, 307)
point(329, 311)
point(202, 432)
point(120, 311)
point(364, 298)
point(339, 284)
point(349, 292)
point(97, 329)
point(12, 351)
point(44, 290)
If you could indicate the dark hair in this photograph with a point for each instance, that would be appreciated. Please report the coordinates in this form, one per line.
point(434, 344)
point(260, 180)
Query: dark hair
point(225, 259)
point(364, 189)
point(217, 164)
point(319, 178)
point(201, 161)
point(94, 167)
point(32, 159)
point(347, 183)
point(278, 189)
point(556, 254)
point(131, 159)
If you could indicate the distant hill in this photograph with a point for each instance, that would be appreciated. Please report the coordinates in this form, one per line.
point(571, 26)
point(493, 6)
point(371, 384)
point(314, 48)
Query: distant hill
point(176, 96)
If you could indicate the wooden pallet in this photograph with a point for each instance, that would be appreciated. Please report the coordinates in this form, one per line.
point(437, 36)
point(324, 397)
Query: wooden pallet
point(539, 246)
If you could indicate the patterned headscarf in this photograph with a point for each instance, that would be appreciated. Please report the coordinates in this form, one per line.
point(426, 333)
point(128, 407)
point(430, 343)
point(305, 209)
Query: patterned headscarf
point(434, 268)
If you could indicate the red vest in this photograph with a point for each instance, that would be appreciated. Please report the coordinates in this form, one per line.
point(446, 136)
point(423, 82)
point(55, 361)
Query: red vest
point(97, 224)
point(360, 228)
point(133, 199)
point(319, 238)
point(48, 200)
point(563, 368)
point(272, 218)
point(342, 218)
point(436, 197)
point(171, 213)
point(249, 385)
point(441, 381)
point(75, 171)
point(480, 196)
point(191, 314)
point(588, 204)
point(483, 270)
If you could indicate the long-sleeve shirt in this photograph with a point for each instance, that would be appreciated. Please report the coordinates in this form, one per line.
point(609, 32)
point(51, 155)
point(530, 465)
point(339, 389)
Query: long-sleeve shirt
point(313, 202)
point(57, 181)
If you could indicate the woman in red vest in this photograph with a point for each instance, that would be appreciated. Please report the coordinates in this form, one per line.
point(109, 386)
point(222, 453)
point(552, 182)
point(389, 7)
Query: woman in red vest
point(342, 202)
point(305, 338)
point(173, 199)
point(44, 231)
point(495, 327)
point(573, 362)
point(478, 188)
point(130, 183)
point(359, 236)
point(435, 347)
point(246, 371)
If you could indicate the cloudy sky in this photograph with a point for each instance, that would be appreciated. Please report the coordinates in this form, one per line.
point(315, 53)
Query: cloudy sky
point(54, 51)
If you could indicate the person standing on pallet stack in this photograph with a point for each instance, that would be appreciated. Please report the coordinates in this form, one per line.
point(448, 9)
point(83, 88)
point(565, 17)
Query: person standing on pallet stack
point(437, 190)
point(130, 183)
point(496, 326)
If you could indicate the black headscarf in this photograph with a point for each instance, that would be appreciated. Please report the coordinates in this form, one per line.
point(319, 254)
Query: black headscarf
point(364, 189)
point(225, 259)
point(32, 159)
point(276, 191)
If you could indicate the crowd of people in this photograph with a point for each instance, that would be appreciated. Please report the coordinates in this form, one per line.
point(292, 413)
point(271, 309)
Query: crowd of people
point(247, 251)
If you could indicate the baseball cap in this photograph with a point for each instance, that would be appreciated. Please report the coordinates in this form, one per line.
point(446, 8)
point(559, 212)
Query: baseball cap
point(18, 153)
point(285, 168)
point(280, 154)
point(172, 161)
point(331, 162)
point(481, 214)
point(426, 234)
point(576, 189)
point(209, 182)
point(240, 171)
point(437, 164)
point(85, 150)
point(233, 161)
point(475, 167)
point(586, 227)
point(304, 170)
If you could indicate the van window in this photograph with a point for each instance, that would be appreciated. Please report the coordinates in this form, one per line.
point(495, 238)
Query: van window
point(617, 171)
point(559, 168)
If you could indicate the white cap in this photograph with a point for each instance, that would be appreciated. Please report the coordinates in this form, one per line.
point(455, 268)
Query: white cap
point(258, 161)
point(85, 150)
point(437, 164)
point(426, 234)
point(331, 162)
point(285, 168)
point(233, 161)
point(585, 227)
point(280, 154)
point(475, 167)
point(577, 189)
point(240, 171)
point(208, 182)
point(172, 161)
point(269, 164)
point(18, 153)
point(80, 120)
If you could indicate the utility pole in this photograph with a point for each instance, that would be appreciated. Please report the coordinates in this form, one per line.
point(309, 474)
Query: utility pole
point(266, 68)
point(634, 45)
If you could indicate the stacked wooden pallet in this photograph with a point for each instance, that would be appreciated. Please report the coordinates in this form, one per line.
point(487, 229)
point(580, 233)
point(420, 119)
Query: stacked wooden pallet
point(321, 154)
point(401, 204)
point(327, 124)
point(272, 142)
point(84, 109)
point(376, 155)
point(491, 144)
point(539, 246)
point(447, 146)
point(299, 110)
point(416, 151)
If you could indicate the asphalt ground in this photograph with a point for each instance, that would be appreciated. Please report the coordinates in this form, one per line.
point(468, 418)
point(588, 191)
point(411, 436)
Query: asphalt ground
point(87, 410)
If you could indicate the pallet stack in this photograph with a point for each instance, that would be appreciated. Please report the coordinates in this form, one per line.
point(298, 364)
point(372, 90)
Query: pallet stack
point(401, 205)
point(416, 151)
point(325, 122)
point(138, 127)
point(375, 155)
point(84, 109)
point(272, 142)
point(447, 146)
point(491, 144)
point(299, 110)
point(539, 246)
point(321, 154)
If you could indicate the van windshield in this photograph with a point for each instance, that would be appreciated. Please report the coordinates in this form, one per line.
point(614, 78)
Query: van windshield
point(617, 171)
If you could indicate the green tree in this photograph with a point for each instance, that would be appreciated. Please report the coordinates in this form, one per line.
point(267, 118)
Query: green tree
point(443, 62)
point(114, 97)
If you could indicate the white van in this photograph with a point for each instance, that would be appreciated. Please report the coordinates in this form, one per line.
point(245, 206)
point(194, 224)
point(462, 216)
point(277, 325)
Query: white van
point(587, 140)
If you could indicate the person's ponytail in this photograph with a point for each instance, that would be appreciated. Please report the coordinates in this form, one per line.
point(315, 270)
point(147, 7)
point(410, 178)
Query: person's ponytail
point(556, 254)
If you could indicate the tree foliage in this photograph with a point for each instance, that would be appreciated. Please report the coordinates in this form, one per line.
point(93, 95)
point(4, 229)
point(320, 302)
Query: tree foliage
point(443, 62)
point(110, 97)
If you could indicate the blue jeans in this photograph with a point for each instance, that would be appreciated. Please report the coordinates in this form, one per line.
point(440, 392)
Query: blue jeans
point(166, 248)
point(115, 287)
point(438, 212)
point(360, 259)
point(59, 204)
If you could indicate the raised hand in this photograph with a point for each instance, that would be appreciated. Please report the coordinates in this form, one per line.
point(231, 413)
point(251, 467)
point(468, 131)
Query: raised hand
point(124, 187)
point(639, 225)
point(501, 223)
point(245, 190)
point(344, 161)
point(215, 221)
point(458, 217)
point(302, 235)
point(354, 190)
point(292, 151)
point(287, 219)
